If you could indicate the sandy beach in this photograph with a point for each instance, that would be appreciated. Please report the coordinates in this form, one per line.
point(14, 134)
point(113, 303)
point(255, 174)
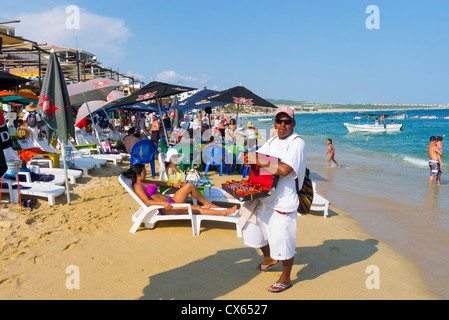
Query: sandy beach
point(41, 247)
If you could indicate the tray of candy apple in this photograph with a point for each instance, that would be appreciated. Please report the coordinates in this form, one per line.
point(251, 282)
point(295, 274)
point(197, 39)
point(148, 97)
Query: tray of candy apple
point(249, 189)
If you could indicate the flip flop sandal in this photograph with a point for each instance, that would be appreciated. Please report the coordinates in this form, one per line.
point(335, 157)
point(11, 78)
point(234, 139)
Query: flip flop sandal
point(282, 287)
point(265, 268)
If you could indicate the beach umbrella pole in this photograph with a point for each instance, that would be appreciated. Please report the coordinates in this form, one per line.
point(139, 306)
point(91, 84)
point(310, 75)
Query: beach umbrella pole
point(163, 125)
point(93, 126)
point(110, 120)
point(64, 161)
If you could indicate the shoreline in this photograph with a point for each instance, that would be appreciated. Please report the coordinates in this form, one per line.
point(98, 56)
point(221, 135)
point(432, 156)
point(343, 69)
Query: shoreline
point(167, 262)
point(334, 110)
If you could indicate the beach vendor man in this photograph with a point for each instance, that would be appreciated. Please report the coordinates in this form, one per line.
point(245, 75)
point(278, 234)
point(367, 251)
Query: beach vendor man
point(274, 229)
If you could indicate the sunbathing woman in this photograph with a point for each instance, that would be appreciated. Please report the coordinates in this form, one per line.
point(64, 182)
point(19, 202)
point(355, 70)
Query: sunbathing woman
point(148, 193)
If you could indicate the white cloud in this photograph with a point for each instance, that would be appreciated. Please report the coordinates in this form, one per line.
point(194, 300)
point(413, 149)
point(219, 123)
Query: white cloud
point(103, 36)
point(174, 77)
point(136, 76)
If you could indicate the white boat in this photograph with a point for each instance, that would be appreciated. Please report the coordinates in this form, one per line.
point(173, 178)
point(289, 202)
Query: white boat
point(265, 119)
point(399, 115)
point(446, 117)
point(373, 127)
point(378, 123)
point(357, 117)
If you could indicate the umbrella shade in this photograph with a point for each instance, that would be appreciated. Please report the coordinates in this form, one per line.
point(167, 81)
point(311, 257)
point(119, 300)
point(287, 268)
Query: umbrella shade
point(153, 90)
point(18, 97)
point(84, 109)
point(55, 110)
point(96, 89)
point(241, 96)
point(8, 80)
point(142, 107)
point(54, 103)
point(114, 95)
point(198, 101)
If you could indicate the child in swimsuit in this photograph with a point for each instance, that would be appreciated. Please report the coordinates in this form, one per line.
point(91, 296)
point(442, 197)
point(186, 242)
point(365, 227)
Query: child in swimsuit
point(148, 193)
point(331, 152)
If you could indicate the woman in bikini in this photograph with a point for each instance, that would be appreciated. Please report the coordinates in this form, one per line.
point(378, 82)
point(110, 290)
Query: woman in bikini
point(147, 191)
point(331, 152)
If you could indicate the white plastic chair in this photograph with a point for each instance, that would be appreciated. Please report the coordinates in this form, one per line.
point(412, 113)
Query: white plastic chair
point(319, 203)
point(215, 195)
point(36, 189)
point(88, 152)
point(72, 174)
point(150, 214)
point(80, 161)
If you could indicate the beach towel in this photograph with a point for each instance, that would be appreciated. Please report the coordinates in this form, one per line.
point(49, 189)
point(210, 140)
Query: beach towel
point(27, 154)
point(247, 211)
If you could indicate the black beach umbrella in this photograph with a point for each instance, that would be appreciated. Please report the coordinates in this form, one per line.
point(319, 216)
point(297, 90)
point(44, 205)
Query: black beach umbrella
point(198, 101)
point(55, 109)
point(8, 80)
point(155, 90)
point(241, 96)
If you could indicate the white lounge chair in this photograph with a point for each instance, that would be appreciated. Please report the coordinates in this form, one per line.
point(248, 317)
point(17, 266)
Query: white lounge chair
point(88, 152)
point(72, 174)
point(319, 203)
point(214, 195)
point(36, 189)
point(150, 214)
point(26, 144)
point(37, 160)
point(78, 158)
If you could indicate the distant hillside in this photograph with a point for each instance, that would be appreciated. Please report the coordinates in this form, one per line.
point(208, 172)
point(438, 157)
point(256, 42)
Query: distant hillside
point(286, 102)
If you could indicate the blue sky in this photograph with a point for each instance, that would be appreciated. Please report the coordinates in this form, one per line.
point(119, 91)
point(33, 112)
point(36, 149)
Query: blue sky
point(312, 50)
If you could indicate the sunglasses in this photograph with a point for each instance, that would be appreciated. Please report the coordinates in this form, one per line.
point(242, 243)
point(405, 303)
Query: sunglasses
point(286, 121)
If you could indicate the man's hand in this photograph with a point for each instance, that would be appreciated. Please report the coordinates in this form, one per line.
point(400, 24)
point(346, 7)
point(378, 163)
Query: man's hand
point(249, 159)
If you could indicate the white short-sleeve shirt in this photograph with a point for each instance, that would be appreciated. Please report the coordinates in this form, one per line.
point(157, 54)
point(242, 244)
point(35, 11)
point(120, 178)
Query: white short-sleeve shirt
point(292, 152)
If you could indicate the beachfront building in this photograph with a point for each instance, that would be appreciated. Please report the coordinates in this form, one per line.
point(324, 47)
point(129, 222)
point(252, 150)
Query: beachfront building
point(28, 59)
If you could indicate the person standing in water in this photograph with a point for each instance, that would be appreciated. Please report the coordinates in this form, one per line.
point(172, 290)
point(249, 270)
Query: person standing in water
point(434, 160)
point(331, 152)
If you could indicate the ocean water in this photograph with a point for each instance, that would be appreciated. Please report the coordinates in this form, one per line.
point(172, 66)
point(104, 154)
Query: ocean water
point(383, 183)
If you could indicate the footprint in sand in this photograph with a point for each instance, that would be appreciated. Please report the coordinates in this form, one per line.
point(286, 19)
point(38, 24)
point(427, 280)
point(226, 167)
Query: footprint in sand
point(70, 245)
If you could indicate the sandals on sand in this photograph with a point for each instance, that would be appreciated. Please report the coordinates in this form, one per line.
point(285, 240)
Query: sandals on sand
point(265, 268)
point(278, 287)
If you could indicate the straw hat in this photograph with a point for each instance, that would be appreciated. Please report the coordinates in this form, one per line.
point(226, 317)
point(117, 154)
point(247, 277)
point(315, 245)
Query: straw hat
point(31, 107)
point(249, 124)
point(172, 152)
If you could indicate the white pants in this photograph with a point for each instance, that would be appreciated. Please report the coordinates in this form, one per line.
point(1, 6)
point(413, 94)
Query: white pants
point(34, 134)
point(275, 229)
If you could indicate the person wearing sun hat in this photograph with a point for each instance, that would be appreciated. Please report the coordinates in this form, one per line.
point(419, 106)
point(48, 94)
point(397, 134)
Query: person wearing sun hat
point(251, 135)
point(32, 119)
point(275, 228)
point(172, 160)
